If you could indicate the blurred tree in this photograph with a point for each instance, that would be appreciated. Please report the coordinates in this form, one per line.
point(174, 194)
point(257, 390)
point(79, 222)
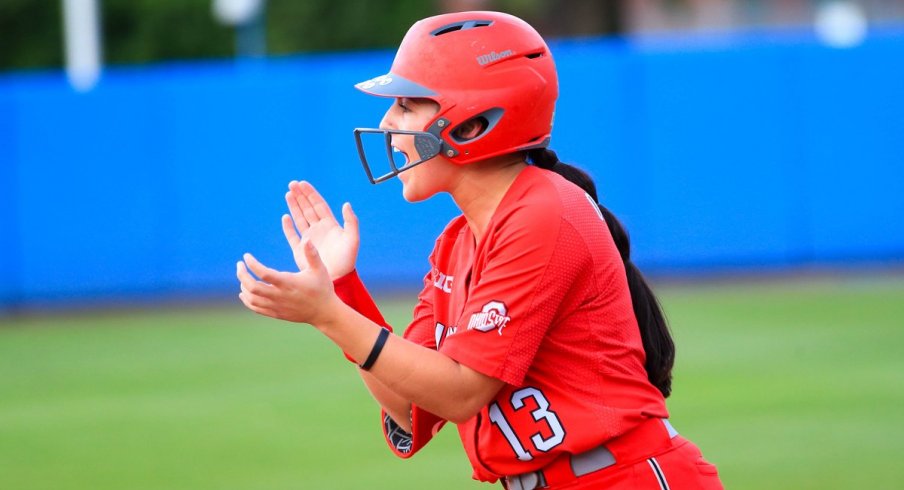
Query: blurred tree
point(583, 17)
point(140, 31)
point(555, 18)
point(317, 25)
point(31, 34)
point(137, 31)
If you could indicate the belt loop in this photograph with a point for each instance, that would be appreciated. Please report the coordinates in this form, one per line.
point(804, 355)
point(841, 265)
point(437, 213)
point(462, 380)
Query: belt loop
point(524, 481)
point(559, 471)
point(513, 483)
point(593, 460)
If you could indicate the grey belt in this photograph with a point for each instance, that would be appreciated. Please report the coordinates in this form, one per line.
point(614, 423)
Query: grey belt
point(581, 464)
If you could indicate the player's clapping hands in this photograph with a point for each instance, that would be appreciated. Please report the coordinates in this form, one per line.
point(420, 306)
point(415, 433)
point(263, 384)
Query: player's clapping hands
point(302, 296)
point(338, 245)
point(327, 251)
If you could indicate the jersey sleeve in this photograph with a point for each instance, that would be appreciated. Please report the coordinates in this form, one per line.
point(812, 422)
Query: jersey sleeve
point(424, 425)
point(515, 291)
point(352, 292)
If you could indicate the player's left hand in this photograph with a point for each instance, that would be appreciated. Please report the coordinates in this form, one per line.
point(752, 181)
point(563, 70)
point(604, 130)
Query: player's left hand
point(303, 297)
point(311, 215)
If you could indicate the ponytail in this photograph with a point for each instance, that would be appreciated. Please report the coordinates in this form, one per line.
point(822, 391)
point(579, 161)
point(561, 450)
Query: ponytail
point(658, 346)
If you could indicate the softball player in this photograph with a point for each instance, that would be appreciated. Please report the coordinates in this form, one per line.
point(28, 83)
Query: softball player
point(534, 333)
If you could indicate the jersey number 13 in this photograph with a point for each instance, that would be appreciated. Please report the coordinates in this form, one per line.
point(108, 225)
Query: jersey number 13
point(541, 414)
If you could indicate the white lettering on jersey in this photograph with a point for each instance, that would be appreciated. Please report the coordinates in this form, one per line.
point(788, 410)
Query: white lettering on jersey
point(442, 332)
point(442, 281)
point(491, 317)
point(439, 332)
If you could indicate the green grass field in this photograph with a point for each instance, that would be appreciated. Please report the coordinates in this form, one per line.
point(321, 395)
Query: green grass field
point(784, 385)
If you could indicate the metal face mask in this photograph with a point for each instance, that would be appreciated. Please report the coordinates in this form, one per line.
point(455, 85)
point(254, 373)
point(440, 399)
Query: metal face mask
point(426, 144)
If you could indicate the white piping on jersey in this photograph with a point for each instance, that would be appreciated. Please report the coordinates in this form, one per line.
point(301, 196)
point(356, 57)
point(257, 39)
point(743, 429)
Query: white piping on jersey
point(657, 471)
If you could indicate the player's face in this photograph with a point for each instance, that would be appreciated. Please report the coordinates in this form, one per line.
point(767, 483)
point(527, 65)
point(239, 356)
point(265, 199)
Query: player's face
point(430, 177)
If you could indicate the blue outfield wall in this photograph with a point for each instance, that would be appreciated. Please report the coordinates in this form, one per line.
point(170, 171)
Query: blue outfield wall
point(735, 151)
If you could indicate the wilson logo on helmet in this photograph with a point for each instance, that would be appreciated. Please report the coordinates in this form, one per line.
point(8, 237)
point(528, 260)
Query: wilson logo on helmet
point(494, 56)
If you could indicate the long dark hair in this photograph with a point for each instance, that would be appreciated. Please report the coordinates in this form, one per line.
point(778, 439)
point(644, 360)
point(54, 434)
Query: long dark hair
point(657, 341)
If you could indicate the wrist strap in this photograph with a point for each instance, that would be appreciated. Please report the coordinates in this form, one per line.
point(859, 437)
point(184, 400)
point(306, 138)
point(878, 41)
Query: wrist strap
point(375, 352)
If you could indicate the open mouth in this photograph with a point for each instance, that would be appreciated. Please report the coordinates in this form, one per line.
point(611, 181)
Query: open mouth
point(395, 149)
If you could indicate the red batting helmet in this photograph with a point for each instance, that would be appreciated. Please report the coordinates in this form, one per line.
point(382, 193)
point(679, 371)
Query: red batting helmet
point(486, 65)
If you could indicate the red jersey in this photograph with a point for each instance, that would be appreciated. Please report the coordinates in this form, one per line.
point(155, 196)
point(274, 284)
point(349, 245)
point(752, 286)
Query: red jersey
point(541, 302)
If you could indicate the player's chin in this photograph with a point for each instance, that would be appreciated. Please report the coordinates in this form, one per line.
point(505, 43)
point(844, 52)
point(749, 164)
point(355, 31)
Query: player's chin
point(411, 192)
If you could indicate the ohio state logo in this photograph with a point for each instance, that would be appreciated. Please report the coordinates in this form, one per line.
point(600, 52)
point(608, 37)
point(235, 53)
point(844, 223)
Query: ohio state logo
point(491, 317)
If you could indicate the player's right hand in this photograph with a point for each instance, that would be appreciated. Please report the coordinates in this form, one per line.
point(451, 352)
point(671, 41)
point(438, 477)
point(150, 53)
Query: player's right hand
point(312, 218)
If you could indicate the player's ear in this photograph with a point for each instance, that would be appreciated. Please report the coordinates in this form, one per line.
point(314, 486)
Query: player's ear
point(470, 129)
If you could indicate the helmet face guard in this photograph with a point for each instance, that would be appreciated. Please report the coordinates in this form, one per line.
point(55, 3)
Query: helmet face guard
point(428, 145)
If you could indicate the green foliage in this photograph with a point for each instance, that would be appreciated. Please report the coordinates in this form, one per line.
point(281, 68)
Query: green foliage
point(294, 26)
point(140, 31)
point(137, 31)
point(31, 34)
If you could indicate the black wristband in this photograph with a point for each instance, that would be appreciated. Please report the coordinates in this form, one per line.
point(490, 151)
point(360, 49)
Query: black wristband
point(375, 352)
